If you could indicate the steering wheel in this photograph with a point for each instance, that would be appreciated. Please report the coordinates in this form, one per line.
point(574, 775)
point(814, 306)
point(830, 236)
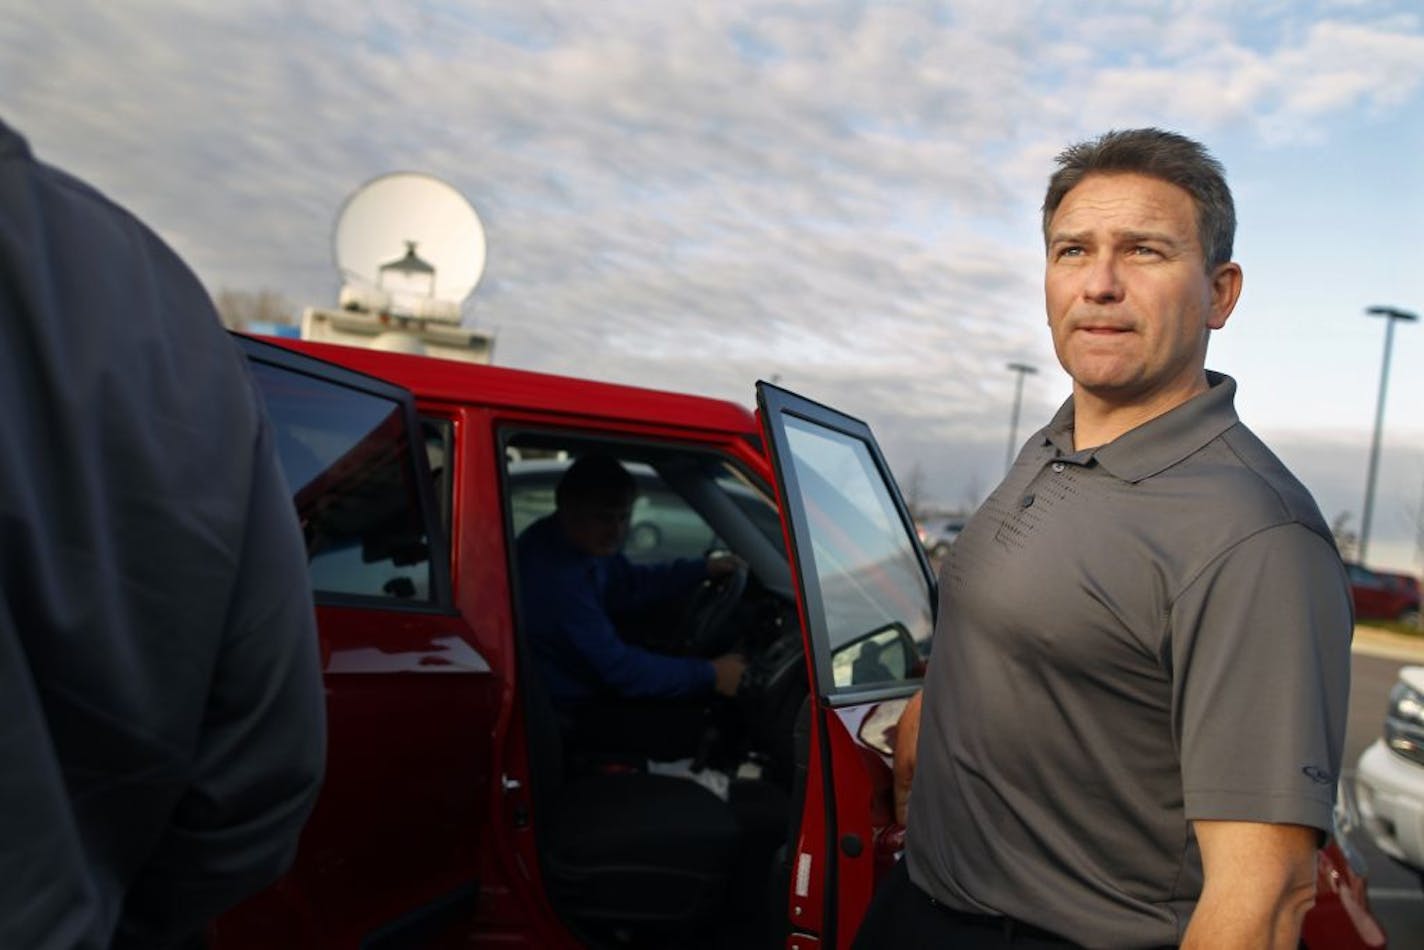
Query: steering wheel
point(705, 628)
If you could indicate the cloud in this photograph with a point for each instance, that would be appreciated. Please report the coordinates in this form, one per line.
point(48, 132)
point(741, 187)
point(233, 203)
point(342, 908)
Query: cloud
point(1278, 76)
point(685, 195)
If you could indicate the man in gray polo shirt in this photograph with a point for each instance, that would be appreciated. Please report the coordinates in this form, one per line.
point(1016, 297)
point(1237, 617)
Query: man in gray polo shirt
point(1134, 715)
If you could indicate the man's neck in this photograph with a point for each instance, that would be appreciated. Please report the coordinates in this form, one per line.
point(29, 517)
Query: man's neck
point(1099, 419)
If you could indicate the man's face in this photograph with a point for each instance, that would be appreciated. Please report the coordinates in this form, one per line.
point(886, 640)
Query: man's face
point(597, 528)
point(1129, 299)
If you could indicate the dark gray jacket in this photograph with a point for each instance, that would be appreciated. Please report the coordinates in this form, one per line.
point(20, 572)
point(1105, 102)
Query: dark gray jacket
point(161, 715)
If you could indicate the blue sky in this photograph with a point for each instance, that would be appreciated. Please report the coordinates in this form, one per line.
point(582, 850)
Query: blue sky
point(845, 194)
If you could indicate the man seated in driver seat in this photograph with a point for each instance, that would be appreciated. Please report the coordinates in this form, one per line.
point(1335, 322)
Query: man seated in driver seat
point(573, 578)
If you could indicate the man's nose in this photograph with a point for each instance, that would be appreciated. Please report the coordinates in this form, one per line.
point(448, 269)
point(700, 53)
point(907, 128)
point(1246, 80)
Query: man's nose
point(1102, 283)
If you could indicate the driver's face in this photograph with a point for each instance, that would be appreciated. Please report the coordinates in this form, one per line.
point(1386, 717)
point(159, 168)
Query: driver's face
point(598, 528)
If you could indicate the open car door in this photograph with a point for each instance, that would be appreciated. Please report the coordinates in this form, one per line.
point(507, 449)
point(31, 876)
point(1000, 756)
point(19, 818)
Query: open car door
point(866, 597)
point(390, 853)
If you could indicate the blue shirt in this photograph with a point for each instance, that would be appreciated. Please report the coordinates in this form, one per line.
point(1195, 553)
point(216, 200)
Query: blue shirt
point(566, 597)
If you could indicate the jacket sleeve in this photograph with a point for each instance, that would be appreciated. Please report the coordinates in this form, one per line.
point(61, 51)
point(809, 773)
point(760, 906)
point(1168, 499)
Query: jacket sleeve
point(261, 748)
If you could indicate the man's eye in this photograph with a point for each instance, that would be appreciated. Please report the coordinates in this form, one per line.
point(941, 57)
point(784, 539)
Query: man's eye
point(1143, 250)
point(1070, 251)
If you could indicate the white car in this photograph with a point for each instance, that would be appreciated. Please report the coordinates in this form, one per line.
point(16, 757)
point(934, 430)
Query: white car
point(1389, 780)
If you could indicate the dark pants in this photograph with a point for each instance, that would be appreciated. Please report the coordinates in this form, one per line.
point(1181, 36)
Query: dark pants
point(903, 917)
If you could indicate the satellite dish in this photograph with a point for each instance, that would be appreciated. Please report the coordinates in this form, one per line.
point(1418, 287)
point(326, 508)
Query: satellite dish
point(412, 239)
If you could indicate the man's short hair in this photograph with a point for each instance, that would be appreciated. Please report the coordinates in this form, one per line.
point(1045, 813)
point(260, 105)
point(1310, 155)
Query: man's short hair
point(595, 479)
point(1159, 154)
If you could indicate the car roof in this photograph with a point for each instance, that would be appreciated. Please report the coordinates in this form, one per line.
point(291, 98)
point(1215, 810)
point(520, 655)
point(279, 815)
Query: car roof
point(431, 378)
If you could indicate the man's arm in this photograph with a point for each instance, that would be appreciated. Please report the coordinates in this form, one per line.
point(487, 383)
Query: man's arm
point(907, 739)
point(1261, 654)
point(635, 587)
point(1260, 881)
point(582, 629)
point(261, 751)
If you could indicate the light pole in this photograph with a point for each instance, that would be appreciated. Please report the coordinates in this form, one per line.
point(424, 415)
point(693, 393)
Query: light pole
point(1022, 369)
point(1391, 314)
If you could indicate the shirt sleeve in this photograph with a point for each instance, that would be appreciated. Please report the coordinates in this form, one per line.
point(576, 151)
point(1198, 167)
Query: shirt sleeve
point(1260, 654)
point(585, 629)
point(633, 587)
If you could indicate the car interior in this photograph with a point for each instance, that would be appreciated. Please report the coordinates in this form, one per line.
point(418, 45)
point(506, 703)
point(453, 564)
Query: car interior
point(688, 854)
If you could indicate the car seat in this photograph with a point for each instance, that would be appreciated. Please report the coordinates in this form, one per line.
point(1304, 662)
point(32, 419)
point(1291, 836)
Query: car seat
point(626, 853)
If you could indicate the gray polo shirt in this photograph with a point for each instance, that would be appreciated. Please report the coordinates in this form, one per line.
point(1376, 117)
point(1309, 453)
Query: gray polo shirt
point(1129, 638)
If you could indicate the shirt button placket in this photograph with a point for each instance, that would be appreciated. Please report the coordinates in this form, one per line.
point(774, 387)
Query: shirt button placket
point(1028, 498)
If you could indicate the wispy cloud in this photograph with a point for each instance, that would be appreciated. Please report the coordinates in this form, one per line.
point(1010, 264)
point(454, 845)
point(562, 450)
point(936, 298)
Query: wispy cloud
point(843, 193)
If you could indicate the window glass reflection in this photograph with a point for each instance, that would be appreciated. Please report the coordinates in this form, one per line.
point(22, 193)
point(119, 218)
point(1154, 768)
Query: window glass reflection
point(873, 591)
point(347, 459)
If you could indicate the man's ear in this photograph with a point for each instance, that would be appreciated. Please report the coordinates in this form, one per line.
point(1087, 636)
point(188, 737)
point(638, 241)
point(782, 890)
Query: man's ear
point(1225, 291)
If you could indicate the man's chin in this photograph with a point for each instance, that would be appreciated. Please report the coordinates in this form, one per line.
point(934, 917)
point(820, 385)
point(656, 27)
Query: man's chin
point(1102, 374)
point(1108, 387)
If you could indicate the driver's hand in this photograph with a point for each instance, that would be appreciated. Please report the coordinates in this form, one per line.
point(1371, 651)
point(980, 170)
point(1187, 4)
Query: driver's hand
point(907, 739)
point(729, 667)
point(723, 564)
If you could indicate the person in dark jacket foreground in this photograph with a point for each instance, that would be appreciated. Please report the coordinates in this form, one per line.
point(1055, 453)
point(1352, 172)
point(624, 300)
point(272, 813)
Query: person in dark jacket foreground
point(161, 711)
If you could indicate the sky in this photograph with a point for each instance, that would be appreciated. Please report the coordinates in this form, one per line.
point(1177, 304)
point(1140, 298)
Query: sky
point(841, 195)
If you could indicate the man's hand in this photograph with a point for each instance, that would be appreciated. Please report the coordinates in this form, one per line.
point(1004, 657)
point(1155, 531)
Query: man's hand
point(729, 667)
point(907, 738)
point(723, 563)
point(1260, 881)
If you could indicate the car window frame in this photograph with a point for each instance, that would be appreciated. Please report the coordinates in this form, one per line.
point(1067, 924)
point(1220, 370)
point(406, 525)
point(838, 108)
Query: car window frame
point(441, 598)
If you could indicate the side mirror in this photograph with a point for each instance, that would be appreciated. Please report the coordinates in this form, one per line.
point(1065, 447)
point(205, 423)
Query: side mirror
point(885, 655)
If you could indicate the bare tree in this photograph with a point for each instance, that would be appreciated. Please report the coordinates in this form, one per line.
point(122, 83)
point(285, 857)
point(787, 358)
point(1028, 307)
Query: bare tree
point(915, 491)
point(239, 308)
point(1345, 539)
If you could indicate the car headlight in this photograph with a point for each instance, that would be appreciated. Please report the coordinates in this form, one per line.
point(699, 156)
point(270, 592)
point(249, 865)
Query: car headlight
point(1404, 723)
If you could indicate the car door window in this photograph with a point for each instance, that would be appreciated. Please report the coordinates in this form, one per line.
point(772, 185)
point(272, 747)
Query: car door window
point(663, 526)
point(868, 594)
point(348, 459)
point(1364, 577)
point(439, 436)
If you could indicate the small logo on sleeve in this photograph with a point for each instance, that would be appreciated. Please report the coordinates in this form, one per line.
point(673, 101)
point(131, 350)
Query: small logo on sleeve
point(1318, 775)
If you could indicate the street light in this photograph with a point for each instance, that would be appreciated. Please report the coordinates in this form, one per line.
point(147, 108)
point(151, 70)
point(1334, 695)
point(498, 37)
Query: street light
point(1391, 314)
point(1022, 369)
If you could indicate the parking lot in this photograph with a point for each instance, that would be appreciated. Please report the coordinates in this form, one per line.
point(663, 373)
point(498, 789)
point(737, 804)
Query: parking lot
point(1395, 893)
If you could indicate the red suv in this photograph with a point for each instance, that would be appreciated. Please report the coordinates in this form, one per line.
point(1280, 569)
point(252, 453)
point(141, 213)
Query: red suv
point(450, 815)
point(1382, 595)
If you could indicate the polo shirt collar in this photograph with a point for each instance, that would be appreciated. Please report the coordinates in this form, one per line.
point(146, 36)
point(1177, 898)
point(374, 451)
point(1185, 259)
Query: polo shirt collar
point(1159, 443)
